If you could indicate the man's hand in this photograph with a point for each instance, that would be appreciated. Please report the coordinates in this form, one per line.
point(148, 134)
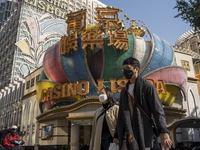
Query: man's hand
point(165, 140)
point(116, 141)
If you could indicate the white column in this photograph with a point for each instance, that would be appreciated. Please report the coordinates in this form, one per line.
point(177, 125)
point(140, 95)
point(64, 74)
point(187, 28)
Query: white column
point(37, 131)
point(75, 139)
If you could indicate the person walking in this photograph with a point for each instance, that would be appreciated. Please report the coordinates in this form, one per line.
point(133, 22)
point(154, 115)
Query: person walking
point(104, 122)
point(139, 109)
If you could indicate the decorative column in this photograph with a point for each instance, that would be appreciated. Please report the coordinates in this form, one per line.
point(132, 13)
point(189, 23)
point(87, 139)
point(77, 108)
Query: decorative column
point(37, 131)
point(75, 136)
point(173, 137)
point(87, 134)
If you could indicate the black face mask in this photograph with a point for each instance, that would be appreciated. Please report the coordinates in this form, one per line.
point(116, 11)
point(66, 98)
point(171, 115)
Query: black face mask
point(128, 73)
point(13, 131)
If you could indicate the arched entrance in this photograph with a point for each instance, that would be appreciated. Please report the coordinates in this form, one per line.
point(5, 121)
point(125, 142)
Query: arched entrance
point(182, 128)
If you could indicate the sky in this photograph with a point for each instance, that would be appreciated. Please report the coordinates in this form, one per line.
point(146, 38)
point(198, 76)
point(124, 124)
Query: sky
point(158, 16)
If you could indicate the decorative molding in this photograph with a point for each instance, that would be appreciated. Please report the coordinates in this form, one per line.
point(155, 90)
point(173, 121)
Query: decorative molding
point(186, 51)
point(79, 117)
point(192, 79)
point(173, 111)
point(68, 108)
point(29, 95)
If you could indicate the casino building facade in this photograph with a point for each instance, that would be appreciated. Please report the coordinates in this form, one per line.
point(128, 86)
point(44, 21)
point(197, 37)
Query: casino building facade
point(24, 49)
point(64, 99)
point(65, 66)
point(32, 27)
point(190, 41)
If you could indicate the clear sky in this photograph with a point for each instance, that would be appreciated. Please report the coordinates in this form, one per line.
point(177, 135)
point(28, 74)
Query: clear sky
point(158, 15)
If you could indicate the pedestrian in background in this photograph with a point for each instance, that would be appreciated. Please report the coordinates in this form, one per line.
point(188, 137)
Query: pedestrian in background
point(104, 122)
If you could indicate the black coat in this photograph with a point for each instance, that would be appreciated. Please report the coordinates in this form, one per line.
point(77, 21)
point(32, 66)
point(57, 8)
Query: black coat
point(139, 127)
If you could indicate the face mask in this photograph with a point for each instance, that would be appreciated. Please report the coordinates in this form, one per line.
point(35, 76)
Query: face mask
point(128, 73)
point(13, 131)
point(103, 98)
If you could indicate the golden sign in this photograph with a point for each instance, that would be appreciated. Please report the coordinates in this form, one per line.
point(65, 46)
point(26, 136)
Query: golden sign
point(119, 40)
point(65, 90)
point(159, 85)
point(92, 38)
point(82, 88)
point(109, 21)
point(108, 25)
point(108, 18)
point(68, 44)
point(76, 22)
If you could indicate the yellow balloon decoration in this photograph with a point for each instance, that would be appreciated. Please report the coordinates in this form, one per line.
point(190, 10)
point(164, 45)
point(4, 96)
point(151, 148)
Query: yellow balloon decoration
point(170, 97)
point(46, 84)
point(43, 84)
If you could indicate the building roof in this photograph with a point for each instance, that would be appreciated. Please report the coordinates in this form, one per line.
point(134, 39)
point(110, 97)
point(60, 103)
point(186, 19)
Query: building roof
point(186, 51)
point(185, 36)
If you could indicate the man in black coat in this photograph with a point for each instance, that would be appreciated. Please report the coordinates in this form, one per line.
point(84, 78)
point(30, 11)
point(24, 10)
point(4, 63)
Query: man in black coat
point(139, 109)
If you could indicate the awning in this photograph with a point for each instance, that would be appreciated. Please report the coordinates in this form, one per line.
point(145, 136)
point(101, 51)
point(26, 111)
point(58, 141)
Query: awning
point(188, 122)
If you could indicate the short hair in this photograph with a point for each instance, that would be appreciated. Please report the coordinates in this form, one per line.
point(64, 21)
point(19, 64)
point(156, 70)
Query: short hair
point(132, 61)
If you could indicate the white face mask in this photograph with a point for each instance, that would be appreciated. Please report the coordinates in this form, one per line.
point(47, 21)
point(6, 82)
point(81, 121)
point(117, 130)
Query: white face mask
point(103, 98)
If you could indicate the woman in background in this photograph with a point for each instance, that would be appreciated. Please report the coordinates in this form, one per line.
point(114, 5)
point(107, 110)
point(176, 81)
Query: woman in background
point(104, 122)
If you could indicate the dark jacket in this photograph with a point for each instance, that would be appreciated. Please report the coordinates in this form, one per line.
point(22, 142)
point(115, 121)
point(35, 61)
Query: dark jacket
point(139, 126)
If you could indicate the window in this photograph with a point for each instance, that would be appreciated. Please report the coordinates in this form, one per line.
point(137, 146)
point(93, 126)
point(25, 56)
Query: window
point(37, 78)
point(32, 82)
point(183, 45)
point(197, 68)
point(28, 84)
point(194, 46)
point(193, 39)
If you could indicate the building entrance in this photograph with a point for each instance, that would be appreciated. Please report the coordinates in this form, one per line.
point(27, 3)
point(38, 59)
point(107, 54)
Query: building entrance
point(80, 136)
